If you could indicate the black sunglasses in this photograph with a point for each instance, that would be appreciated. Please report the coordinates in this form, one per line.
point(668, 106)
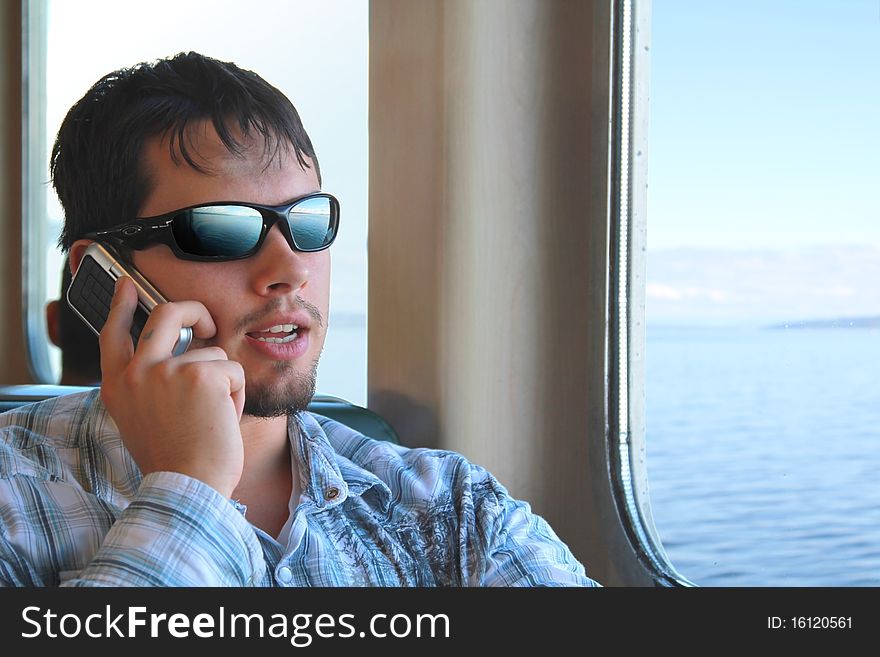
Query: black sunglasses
point(231, 230)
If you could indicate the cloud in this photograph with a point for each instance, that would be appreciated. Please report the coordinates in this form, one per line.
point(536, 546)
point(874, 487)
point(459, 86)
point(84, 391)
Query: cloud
point(660, 291)
point(694, 285)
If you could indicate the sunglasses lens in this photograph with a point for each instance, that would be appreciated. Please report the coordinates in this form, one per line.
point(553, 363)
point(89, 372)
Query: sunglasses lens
point(313, 223)
point(218, 230)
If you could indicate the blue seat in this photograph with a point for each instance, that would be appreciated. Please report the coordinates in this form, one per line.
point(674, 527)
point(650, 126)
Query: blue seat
point(358, 418)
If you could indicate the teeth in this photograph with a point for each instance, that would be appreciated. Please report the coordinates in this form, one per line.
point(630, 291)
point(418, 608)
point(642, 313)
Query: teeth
point(281, 328)
point(288, 338)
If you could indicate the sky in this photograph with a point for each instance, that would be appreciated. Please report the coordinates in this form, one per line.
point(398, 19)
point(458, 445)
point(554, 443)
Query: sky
point(764, 127)
point(764, 140)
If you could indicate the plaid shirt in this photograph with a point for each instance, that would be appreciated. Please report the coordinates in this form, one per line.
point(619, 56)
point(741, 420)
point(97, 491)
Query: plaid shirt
point(76, 511)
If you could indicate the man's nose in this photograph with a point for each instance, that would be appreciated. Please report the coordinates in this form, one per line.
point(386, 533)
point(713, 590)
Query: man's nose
point(277, 267)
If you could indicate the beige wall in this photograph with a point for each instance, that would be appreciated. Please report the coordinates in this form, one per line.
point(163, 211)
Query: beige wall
point(488, 244)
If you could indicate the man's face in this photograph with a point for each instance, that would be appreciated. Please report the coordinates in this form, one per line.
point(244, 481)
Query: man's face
point(275, 288)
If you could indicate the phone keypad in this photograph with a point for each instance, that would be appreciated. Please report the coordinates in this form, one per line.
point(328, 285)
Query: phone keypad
point(91, 294)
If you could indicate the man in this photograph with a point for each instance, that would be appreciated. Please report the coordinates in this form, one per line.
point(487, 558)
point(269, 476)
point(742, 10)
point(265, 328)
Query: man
point(204, 468)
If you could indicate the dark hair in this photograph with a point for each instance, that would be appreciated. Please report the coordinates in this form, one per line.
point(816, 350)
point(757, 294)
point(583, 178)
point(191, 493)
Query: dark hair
point(96, 161)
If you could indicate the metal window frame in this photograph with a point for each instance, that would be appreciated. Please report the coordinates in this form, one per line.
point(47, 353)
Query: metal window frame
point(33, 181)
point(627, 222)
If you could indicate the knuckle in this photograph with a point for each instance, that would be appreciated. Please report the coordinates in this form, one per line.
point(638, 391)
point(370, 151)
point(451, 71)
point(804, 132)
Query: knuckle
point(130, 378)
point(165, 371)
point(199, 374)
point(218, 352)
point(164, 311)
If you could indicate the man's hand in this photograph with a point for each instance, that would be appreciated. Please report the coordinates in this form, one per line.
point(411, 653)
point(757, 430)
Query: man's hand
point(177, 414)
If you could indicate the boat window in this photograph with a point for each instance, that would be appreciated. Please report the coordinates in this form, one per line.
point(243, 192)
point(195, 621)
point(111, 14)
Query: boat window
point(761, 297)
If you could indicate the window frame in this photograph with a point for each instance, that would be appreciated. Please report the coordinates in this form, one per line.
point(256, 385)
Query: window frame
point(33, 234)
point(628, 168)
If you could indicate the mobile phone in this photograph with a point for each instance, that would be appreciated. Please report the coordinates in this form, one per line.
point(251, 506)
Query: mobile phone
point(92, 287)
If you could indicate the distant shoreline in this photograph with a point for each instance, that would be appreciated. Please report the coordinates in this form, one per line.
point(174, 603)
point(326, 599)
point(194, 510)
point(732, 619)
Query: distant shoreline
point(838, 323)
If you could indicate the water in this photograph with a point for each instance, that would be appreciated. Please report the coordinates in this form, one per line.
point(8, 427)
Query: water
point(763, 453)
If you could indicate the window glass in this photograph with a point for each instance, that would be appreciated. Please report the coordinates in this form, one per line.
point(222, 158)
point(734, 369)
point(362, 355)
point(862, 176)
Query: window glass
point(315, 51)
point(763, 303)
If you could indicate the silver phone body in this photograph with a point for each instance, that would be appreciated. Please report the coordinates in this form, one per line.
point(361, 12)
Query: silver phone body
point(96, 278)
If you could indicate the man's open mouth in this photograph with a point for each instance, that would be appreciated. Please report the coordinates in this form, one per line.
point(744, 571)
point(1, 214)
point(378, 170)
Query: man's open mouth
point(278, 334)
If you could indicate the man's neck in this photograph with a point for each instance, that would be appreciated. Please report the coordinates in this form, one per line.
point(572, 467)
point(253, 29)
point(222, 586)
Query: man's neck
point(268, 480)
point(265, 439)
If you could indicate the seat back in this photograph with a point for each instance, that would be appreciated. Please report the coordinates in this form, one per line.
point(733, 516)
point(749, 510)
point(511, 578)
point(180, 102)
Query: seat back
point(358, 418)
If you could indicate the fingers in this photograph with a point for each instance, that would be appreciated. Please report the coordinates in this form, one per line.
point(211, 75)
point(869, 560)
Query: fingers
point(207, 366)
point(180, 414)
point(163, 328)
point(202, 373)
point(225, 374)
point(160, 332)
point(201, 354)
point(115, 337)
point(210, 363)
point(238, 398)
point(231, 370)
point(234, 373)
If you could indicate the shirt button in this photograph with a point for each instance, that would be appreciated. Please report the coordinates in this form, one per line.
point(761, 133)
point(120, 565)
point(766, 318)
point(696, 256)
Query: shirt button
point(285, 574)
point(331, 493)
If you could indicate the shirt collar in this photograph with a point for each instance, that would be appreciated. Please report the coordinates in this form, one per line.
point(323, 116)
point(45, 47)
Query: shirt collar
point(326, 477)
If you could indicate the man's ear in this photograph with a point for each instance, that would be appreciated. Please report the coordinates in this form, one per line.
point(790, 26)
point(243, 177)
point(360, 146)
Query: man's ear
point(53, 321)
point(76, 254)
